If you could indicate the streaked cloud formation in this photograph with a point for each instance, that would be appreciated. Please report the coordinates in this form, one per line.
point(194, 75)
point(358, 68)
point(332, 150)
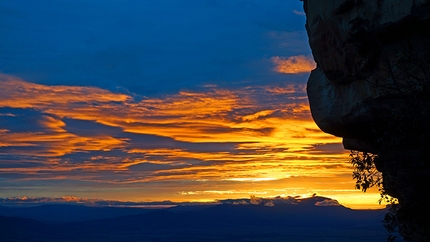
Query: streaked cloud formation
point(230, 139)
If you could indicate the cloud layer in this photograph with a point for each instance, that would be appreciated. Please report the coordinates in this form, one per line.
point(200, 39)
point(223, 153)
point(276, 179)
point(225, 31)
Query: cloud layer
point(222, 138)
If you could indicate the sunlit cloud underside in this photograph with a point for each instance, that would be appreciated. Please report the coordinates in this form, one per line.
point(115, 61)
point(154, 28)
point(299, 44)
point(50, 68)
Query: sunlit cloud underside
point(294, 64)
point(189, 146)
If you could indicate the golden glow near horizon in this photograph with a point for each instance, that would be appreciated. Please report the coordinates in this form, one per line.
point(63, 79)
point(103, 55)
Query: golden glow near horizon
point(189, 146)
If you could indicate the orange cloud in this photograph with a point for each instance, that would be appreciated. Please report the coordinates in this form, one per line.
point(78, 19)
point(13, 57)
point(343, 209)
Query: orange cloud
point(294, 64)
point(20, 94)
point(213, 116)
point(269, 134)
point(56, 141)
point(216, 115)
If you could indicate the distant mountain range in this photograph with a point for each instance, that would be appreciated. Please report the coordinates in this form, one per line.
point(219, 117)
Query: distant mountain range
point(228, 221)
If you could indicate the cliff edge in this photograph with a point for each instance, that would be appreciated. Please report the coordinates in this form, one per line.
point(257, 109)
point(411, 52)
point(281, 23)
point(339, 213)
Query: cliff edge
point(372, 88)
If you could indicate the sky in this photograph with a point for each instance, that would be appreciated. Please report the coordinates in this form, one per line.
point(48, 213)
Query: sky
point(191, 100)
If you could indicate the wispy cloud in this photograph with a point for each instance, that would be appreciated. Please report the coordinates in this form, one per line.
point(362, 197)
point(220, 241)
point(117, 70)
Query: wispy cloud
point(293, 64)
point(327, 203)
point(301, 13)
point(31, 201)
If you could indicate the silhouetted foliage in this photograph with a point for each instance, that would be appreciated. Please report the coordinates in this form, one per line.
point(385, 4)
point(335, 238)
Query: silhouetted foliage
point(366, 176)
point(390, 221)
point(365, 173)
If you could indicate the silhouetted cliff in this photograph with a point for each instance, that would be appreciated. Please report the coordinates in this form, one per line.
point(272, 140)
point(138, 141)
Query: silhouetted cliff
point(372, 87)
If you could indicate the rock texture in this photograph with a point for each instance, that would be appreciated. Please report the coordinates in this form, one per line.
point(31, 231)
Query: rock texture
point(372, 87)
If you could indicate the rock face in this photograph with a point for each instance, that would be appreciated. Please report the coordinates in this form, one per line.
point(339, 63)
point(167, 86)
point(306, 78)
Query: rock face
point(372, 87)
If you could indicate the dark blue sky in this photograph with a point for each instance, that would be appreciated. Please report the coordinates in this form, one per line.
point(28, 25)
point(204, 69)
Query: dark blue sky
point(150, 47)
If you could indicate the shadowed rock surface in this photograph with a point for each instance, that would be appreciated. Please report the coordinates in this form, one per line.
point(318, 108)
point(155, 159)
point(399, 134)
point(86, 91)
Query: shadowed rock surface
point(372, 87)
